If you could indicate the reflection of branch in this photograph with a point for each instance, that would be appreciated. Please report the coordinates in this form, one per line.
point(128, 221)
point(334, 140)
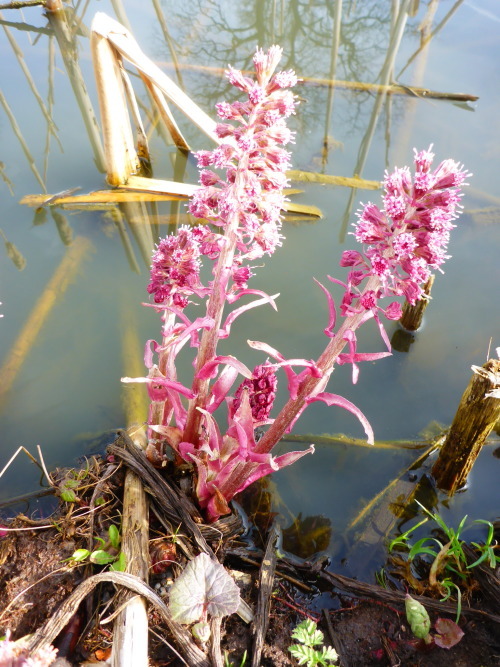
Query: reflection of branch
point(69, 55)
point(24, 145)
point(385, 73)
point(22, 63)
point(388, 88)
point(337, 21)
point(428, 38)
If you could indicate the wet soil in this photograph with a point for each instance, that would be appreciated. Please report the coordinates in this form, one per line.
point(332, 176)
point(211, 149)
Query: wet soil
point(35, 579)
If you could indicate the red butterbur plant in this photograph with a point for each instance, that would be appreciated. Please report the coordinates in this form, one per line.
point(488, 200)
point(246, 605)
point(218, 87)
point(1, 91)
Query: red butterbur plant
point(241, 194)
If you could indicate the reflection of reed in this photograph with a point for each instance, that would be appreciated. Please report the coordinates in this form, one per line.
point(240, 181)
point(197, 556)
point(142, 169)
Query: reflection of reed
point(385, 74)
point(28, 335)
point(20, 138)
point(337, 22)
point(168, 40)
point(15, 255)
point(430, 34)
point(403, 139)
point(22, 63)
point(67, 46)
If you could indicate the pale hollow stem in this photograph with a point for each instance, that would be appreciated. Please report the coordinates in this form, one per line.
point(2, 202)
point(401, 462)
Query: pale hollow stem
point(307, 388)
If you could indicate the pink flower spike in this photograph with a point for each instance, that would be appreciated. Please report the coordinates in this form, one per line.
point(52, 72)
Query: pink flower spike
point(334, 399)
point(328, 331)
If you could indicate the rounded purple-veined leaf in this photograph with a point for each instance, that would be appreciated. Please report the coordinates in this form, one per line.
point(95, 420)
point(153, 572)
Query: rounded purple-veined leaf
point(204, 587)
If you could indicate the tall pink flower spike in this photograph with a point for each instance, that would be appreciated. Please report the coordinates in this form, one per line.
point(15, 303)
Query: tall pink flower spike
point(241, 195)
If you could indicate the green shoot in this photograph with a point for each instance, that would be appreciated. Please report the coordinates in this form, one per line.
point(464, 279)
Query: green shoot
point(308, 636)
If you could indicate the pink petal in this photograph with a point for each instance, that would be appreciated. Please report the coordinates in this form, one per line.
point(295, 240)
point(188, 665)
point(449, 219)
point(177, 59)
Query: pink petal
point(331, 308)
point(334, 399)
point(224, 332)
point(209, 370)
point(221, 387)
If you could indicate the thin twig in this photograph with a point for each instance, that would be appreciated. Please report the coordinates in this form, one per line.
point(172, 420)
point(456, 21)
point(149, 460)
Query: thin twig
point(44, 468)
point(22, 449)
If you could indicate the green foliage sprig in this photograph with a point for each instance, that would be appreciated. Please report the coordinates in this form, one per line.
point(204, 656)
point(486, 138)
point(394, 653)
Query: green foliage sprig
point(108, 554)
point(308, 636)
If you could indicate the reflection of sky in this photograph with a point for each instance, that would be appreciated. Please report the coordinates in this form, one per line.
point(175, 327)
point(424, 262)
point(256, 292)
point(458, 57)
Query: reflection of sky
point(488, 13)
point(70, 382)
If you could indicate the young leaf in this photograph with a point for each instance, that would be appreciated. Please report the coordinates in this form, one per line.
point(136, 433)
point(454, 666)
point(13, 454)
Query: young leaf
point(80, 555)
point(114, 536)
point(307, 633)
point(120, 563)
point(203, 586)
point(449, 633)
point(101, 557)
point(418, 618)
point(201, 631)
point(329, 653)
point(69, 496)
point(305, 655)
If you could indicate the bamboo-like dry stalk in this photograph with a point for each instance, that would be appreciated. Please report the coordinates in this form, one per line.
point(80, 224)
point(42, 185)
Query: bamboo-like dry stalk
point(121, 40)
point(99, 199)
point(130, 636)
point(119, 150)
point(165, 114)
point(330, 179)
point(57, 285)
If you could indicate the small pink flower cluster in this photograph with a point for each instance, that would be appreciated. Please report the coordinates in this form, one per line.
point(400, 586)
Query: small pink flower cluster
point(175, 267)
point(14, 655)
point(252, 159)
point(261, 392)
point(409, 237)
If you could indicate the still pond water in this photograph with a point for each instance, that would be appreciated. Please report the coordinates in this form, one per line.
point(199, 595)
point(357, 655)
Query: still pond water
point(67, 392)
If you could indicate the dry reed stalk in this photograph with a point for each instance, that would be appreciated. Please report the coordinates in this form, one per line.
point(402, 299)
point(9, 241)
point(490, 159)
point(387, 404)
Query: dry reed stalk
point(119, 149)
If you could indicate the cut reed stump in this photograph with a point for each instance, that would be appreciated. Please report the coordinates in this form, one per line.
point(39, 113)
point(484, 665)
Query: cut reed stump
point(412, 317)
point(476, 416)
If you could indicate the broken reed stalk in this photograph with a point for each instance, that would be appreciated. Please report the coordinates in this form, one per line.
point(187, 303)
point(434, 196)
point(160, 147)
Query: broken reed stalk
point(266, 584)
point(412, 317)
point(130, 636)
point(120, 154)
point(475, 418)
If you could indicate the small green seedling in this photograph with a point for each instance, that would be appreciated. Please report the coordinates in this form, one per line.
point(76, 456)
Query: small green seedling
point(308, 636)
point(448, 560)
point(228, 663)
point(109, 554)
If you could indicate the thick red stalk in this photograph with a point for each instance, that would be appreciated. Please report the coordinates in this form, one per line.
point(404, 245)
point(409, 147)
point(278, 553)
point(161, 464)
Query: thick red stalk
point(307, 388)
